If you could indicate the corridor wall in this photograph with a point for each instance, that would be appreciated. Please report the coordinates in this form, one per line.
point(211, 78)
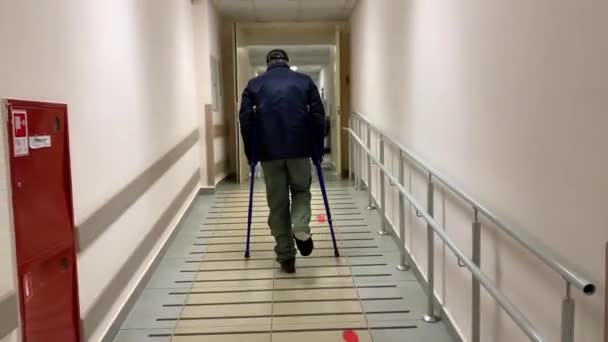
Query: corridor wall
point(509, 100)
point(127, 71)
point(207, 28)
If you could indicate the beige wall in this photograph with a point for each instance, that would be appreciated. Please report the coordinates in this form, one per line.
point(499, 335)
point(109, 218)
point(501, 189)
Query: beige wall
point(207, 30)
point(509, 100)
point(126, 69)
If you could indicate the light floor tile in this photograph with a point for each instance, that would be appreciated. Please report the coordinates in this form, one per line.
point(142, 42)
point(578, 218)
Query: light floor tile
point(224, 322)
point(258, 337)
point(342, 261)
point(235, 283)
point(312, 320)
point(234, 275)
point(142, 336)
point(318, 294)
point(316, 308)
point(315, 272)
point(318, 336)
point(241, 297)
point(422, 333)
point(306, 282)
point(150, 307)
point(237, 256)
point(331, 325)
point(225, 311)
point(262, 247)
point(235, 240)
point(214, 329)
point(239, 265)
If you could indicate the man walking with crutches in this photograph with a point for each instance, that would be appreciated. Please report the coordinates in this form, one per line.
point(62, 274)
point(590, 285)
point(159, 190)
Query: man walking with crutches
point(282, 123)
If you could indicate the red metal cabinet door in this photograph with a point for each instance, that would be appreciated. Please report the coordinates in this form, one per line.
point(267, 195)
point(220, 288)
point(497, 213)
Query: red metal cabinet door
point(49, 294)
point(43, 220)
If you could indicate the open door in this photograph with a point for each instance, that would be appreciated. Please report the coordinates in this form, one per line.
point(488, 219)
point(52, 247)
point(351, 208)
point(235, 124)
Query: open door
point(335, 112)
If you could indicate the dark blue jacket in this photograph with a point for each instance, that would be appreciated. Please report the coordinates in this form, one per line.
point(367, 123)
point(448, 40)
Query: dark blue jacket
point(282, 111)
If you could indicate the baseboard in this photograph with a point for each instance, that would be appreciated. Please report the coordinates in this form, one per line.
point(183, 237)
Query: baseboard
point(207, 190)
point(223, 180)
point(210, 190)
point(139, 288)
point(230, 177)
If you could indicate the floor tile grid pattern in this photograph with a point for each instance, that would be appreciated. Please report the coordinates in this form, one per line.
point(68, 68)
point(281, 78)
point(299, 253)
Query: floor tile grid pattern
point(380, 294)
point(229, 198)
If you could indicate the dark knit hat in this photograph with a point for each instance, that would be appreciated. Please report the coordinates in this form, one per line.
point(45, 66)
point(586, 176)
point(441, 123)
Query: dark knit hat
point(277, 54)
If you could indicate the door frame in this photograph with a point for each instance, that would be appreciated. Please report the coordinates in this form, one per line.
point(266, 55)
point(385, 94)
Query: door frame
point(242, 164)
point(336, 112)
point(345, 100)
point(321, 33)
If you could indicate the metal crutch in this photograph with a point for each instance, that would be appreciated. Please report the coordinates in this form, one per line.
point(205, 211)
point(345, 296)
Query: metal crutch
point(251, 181)
point(317, 163)
point(252, 165)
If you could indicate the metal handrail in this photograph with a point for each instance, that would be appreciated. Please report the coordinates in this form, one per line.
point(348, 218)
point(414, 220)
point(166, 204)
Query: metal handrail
point(487, 283)
point(542, 252)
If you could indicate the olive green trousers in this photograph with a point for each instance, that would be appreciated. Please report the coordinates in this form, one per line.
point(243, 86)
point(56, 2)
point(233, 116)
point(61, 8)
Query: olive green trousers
point(288, 193)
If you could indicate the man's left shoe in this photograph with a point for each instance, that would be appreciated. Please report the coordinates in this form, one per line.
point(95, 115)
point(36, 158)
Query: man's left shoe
point(305, 247)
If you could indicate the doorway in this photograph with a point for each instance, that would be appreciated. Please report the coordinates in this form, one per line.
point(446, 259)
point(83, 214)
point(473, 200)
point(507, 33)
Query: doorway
point(314, 49)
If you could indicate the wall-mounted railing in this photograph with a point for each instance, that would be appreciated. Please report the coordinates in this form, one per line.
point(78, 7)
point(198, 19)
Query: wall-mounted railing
point(361, 160)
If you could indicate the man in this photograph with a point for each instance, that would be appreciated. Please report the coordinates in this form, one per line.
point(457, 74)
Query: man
point(282, 123)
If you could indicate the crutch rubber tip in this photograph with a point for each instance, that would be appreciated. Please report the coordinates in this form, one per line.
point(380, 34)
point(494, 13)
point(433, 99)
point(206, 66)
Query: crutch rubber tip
point(246, 255)
point(337, 254)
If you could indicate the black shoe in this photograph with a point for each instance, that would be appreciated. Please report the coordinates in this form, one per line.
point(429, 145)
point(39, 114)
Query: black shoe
point(288, 266)
point(305, 247)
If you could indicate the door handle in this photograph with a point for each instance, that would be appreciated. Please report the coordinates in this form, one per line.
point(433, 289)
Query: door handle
point(27, 286)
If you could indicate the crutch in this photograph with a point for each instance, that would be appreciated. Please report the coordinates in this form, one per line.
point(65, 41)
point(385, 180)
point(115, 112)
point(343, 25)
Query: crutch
point(249, 214)
point(317, 161)
point(252, 165)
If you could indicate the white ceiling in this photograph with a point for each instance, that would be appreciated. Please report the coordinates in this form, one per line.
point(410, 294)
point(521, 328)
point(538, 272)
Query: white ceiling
point(286, 10)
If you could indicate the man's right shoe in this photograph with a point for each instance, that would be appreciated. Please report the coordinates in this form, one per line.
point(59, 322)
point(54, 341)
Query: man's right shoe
point(288, 266)
point(305, 247)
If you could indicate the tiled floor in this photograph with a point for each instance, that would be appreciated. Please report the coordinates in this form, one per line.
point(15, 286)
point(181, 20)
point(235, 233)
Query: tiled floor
point(204, 289)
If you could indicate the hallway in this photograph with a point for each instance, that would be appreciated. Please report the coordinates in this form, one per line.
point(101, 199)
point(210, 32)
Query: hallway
point(204, 289)
point(464, 139)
